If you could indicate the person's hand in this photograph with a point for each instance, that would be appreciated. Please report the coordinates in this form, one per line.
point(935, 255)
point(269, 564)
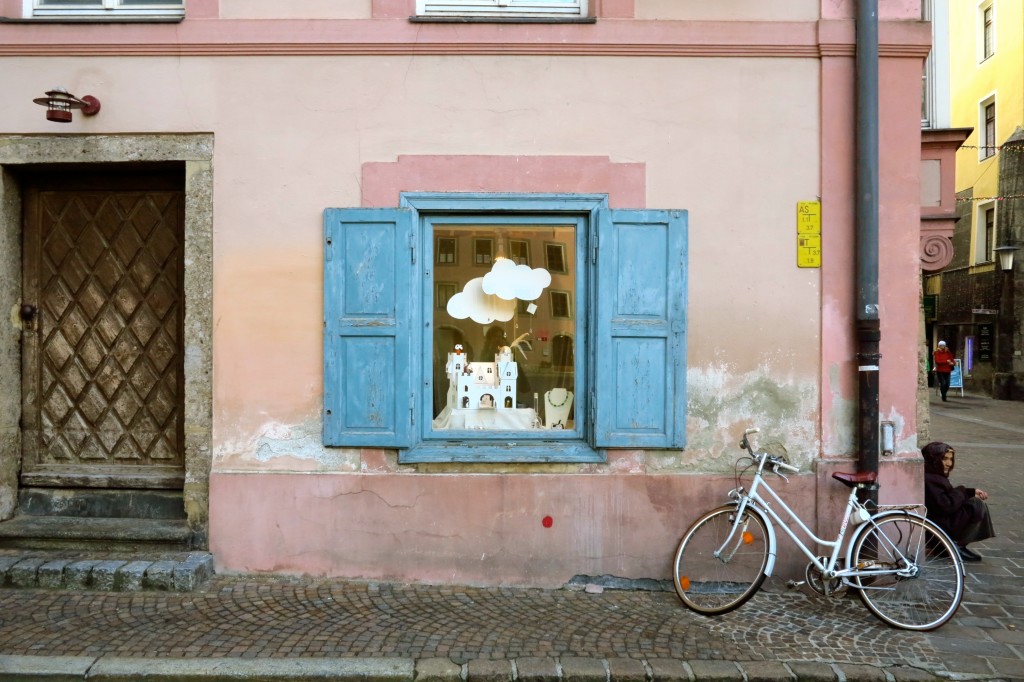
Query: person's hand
point(980, 494)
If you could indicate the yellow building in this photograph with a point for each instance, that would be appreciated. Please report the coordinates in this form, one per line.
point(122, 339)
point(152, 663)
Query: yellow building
point(973, 296)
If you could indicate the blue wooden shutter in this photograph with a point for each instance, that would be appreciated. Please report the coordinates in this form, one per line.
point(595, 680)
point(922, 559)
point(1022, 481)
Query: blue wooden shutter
point(639, 394)
point(368, 261)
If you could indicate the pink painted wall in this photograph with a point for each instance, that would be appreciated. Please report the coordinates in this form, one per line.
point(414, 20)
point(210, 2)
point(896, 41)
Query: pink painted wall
point(758, 116)
point(480, 529)
point(624, 183)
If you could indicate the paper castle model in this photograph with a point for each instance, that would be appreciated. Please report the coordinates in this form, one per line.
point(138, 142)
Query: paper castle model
point(482, 385)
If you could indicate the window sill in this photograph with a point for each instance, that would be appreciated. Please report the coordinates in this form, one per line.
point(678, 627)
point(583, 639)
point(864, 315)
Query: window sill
point(501, 20)
point(498, 453)
point(92, 20)
point(982, 267)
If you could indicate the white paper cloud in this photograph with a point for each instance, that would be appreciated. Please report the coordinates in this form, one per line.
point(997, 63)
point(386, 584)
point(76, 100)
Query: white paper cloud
point(509, 281)
point(481, 307)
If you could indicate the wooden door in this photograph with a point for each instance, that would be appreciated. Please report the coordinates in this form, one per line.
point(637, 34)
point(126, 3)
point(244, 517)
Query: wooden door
point(103, 309)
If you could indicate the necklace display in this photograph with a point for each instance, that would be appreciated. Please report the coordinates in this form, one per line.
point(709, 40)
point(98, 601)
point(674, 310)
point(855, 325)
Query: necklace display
point(554, 404)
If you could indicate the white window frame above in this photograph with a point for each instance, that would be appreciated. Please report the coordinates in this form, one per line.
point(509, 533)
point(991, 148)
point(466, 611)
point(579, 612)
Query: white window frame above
point(565, 9)
point(983, 7)
point(111, 9)
point(935, 109)
point(987, 144)
point(984, 236)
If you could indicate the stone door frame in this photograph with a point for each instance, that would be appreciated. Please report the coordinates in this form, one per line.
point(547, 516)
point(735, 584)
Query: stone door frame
point(196, 151)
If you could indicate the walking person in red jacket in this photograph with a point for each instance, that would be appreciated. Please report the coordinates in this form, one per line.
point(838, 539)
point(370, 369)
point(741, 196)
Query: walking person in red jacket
point(944, 362)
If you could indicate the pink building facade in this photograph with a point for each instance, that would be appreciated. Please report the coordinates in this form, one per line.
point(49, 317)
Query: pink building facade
point(286, 144)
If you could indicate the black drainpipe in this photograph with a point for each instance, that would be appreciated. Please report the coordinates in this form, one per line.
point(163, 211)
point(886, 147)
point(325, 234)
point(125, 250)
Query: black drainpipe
point(868, 326)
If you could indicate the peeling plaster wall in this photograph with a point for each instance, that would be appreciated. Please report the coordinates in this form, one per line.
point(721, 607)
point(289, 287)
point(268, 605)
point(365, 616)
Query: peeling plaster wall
point(268, 291)
point(723, 404)
point(768, 342)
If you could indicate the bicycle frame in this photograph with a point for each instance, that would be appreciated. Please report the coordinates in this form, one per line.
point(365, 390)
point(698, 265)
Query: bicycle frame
point(827, 567)
point(754, 497)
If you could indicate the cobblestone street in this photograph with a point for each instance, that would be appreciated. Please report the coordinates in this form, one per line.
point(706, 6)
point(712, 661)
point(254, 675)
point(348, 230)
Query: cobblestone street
point(498, 634)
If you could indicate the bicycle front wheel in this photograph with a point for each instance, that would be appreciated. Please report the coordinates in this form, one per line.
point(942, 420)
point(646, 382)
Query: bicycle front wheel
point(927, 588)
point(717, 569)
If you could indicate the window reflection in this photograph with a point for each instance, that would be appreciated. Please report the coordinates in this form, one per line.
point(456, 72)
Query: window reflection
point(503, 340)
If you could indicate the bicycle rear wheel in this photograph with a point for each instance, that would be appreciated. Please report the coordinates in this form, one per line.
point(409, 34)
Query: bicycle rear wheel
point(714, 576)
point(927, 591)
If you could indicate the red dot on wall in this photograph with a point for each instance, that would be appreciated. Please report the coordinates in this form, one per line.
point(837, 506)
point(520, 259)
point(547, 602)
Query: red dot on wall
point(547, 522)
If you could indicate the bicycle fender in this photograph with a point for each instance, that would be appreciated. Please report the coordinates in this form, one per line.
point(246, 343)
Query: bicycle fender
point(773, 544)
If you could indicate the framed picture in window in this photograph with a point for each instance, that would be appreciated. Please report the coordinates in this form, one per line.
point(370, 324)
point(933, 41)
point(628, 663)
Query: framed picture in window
point(562, 351)
point(519, 251)
point(483, 251)
point(445, 251)
point(554, 255)
point(561, 304)
point(443, 291)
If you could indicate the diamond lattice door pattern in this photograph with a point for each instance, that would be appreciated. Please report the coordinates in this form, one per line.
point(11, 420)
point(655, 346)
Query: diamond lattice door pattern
point(103, 360)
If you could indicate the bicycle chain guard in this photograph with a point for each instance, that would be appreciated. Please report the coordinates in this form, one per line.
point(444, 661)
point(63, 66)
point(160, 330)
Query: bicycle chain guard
point(816, 581)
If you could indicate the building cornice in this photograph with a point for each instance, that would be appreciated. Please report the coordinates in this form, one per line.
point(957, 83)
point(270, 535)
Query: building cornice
point(612, 37)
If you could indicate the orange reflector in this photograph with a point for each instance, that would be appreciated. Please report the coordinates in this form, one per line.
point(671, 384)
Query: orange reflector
point(684, 583)
point(748, 537)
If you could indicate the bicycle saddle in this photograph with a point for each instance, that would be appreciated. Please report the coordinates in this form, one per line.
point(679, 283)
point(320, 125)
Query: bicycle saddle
point(850, 480)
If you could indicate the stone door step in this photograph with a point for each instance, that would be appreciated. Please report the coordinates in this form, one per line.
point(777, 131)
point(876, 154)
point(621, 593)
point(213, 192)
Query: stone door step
point(105, 571)
point(71, 532)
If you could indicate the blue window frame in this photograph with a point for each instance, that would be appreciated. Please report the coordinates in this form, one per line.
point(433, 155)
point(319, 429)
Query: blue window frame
point(628, 329)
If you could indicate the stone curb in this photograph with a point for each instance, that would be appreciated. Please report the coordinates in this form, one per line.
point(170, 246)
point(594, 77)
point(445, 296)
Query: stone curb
point(181, 575)
point(113, 669)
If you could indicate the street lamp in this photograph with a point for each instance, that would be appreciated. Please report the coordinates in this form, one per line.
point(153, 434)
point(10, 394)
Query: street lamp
point(1005, 253)
point(1003, 380)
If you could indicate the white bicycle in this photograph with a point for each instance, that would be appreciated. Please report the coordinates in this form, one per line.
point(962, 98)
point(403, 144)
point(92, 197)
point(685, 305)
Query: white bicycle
point(905, 568)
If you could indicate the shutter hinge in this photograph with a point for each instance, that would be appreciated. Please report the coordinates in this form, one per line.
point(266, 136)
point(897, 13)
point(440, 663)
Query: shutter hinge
point(412, 249)
point(592, 417)
point(593, 255)
point(412, 409)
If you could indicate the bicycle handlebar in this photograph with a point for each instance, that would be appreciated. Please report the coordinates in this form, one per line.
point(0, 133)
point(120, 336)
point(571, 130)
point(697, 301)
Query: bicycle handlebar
point(775, 463)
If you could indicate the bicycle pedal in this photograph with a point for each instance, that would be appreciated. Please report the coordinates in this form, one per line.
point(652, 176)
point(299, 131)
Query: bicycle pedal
point(795, 584)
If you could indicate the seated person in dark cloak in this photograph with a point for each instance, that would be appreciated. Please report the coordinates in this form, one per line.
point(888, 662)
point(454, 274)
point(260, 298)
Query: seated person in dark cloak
point(960, 511)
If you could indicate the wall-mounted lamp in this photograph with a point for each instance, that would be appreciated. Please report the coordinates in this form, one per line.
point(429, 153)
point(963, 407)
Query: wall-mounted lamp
point(59, 103)
point(1005, 253)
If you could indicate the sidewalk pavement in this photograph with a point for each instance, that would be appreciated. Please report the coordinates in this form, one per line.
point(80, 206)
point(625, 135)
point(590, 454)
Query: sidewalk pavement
point(284, 629)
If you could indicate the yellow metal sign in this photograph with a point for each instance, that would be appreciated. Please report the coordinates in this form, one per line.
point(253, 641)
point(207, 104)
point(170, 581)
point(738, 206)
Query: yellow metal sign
point(808, 234)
